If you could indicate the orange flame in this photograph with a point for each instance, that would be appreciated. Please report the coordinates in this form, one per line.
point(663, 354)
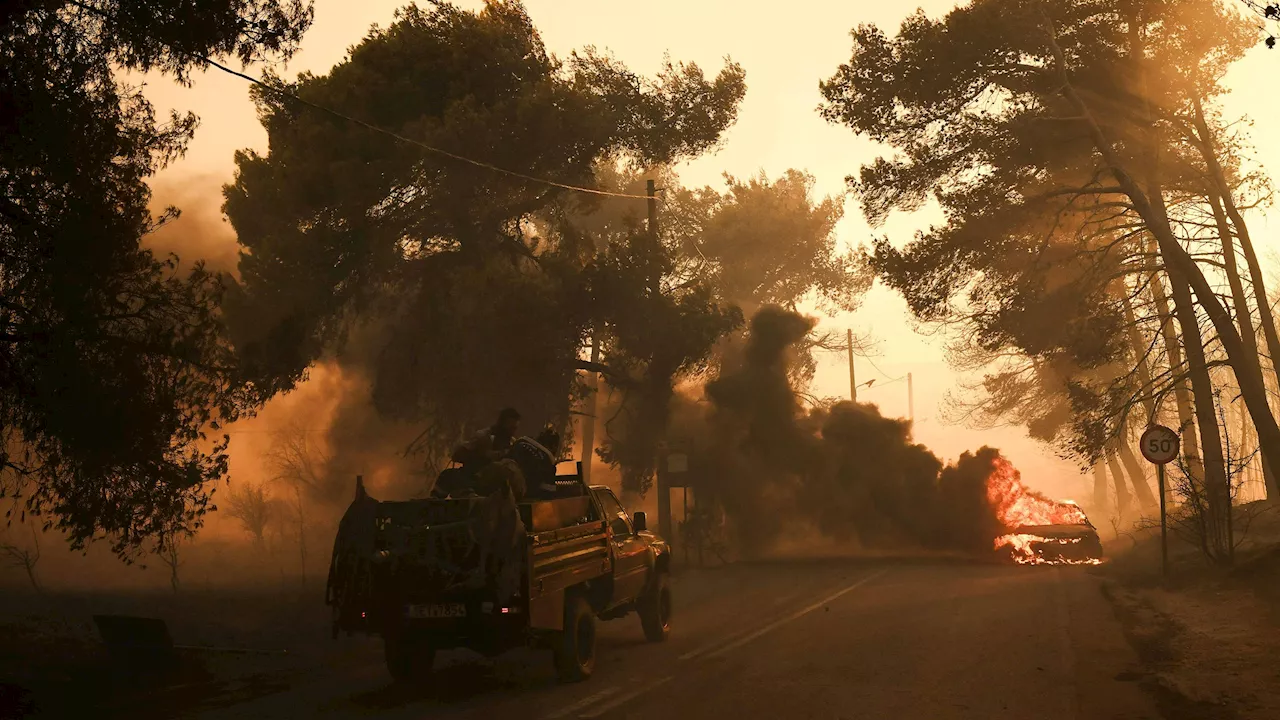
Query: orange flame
point(1017, 505)
point(1020, 547)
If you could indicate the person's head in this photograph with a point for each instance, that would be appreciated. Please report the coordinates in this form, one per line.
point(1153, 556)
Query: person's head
point(549, 439)
point(508, 421)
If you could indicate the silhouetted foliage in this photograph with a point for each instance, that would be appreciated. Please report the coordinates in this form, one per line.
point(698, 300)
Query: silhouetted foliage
point(478, 293)
point(752, 242)
point(24, 556)
point(251, 505)
point(1039, 241)
point(653, 339)
point(1269, 13)
point(112, 366)
point(769, 242)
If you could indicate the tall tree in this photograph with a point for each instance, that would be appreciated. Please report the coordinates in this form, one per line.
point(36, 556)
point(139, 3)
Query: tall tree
point(1121, 490)
point(1101, 498)
point(774, 243)
point(1148, 205)
point(472, 292)
point(112, 366)
point(250, 505)
point(1051, 111)
point(298, 462)
point(1221, 192)
point(752, 243)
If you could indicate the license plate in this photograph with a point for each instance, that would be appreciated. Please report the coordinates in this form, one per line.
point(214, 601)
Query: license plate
point(447, 610)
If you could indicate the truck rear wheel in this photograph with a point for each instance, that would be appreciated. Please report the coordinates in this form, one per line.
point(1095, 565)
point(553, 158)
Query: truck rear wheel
point(409, 657)
point(575, 649)
point(654, 609)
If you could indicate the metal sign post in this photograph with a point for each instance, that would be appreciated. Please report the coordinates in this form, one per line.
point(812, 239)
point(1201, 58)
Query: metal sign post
point(673, 471)
point(1159, 445)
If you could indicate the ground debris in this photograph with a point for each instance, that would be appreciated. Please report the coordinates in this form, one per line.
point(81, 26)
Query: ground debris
point(1208, 652)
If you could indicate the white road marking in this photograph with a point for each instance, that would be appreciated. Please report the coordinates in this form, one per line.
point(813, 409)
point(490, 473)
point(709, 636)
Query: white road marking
point(743, 640)
point(1068, 653)
point(583, 703)
point(714, 649)
point(706, 648)
point(786, 599)
point(622, 700)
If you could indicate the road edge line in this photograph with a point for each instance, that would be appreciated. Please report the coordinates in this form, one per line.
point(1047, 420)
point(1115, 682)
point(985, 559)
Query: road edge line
point(743, 640)
point(622, 699)
point(582, 704)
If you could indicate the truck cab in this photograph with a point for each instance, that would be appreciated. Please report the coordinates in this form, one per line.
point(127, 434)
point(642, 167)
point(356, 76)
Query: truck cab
point(636, 553)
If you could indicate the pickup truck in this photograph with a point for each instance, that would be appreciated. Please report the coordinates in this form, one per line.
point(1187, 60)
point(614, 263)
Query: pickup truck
point(415, 573)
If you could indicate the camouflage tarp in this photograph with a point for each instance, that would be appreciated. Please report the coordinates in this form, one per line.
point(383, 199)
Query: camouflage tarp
point(353, 547)
point(489, 519)
point(497, 528)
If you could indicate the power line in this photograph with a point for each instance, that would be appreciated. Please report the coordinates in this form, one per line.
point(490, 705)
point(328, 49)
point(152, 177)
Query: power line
point(882, 372)
point(882, 384)
point(418, 143)
point(410, 141)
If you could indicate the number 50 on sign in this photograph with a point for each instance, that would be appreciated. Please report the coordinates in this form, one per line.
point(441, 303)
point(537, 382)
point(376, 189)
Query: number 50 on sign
point(1159, 445)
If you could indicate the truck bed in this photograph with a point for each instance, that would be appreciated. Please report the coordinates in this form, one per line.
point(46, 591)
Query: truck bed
point(427, 550)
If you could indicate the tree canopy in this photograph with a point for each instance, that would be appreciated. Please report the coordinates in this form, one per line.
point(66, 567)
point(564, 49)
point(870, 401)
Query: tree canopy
point(745, 245)
point(112, 366)
point(470, 286)
point(768, 242)
point(1037, 128)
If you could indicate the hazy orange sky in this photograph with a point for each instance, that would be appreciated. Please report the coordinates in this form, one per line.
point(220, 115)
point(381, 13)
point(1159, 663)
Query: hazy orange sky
point(786, 50)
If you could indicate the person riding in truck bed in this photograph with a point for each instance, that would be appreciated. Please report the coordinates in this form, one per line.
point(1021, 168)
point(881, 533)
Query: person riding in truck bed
point(478, 454)
point(490, 444)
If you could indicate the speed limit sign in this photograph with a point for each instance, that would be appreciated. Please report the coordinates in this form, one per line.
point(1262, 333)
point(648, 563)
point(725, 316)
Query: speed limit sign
point(1159, 444)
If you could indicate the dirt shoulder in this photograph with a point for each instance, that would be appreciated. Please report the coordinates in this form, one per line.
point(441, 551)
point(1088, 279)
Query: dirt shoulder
point(233, 646)
point(1208, 638)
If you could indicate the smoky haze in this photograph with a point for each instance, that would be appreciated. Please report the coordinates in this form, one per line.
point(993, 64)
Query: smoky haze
point(842, 470)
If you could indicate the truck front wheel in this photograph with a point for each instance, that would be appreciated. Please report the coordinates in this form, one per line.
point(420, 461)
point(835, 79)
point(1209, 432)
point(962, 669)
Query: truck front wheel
point(654, 608)
point(409, 657)
point(575, 648)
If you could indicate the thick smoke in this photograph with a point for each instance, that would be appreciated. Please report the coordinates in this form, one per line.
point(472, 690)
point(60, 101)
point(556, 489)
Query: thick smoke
point(844, 470)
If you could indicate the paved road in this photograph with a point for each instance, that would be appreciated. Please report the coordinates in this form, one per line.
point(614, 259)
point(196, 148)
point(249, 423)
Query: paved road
point(830, 639)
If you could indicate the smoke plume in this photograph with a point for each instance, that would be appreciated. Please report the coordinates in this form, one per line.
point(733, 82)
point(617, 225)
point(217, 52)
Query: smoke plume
point(843, 470)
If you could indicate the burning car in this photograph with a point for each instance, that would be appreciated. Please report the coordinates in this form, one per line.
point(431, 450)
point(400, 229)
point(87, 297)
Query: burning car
point(1038, 529)
point(1072, 544)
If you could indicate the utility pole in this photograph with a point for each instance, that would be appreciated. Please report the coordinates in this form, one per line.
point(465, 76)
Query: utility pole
point(589, 420)
point(911, 400)
point(655, 286)
point(655, 282)
point(853, 382)
point(652, 192)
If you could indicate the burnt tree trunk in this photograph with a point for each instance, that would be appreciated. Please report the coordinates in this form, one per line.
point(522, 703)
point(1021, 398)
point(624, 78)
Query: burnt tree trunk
point(1146, 498)
point(1181, 395)
point(1140, 353)
point(1216, 489)
point(1122, 492)
point(1101, 498)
